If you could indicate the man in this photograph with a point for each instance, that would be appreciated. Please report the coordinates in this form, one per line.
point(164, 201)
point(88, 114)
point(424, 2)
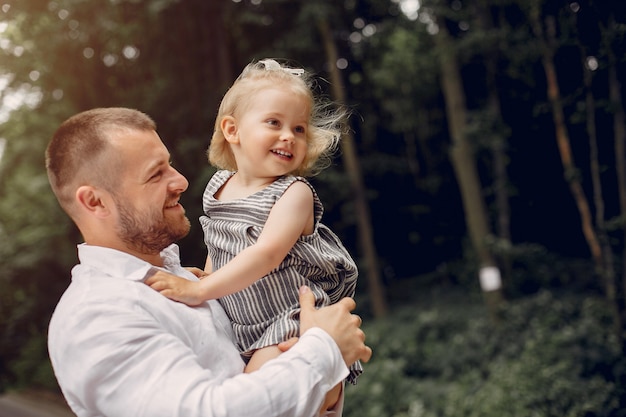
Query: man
point(118, 347)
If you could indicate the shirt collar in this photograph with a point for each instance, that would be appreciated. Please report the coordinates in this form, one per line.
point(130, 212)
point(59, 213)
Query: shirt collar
point(122, 265)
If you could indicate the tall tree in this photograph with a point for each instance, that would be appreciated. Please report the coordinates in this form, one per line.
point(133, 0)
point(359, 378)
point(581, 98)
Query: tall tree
point(376, 290)
point(606, 270)
point(497, 132)
point(464, 163)
point(610, 32)
point(544, 28)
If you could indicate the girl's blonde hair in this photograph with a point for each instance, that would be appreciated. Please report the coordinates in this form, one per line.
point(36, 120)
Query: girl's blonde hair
point(326, 121)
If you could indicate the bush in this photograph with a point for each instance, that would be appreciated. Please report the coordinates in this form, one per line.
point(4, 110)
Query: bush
point(550, 356)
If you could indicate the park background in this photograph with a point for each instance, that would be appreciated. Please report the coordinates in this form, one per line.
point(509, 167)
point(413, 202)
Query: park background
point(487, 140)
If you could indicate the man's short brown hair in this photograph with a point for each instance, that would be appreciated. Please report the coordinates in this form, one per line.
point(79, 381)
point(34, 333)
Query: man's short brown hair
point(76, 154)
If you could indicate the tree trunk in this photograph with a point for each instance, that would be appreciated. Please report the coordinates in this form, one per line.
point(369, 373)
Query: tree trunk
point(562, 137)
point(463, 162)
point(376, 290)
point(619, 130)
point(498, 146)
point(606, 269)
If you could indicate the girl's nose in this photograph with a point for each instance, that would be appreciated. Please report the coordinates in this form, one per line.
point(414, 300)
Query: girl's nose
point(287, 136)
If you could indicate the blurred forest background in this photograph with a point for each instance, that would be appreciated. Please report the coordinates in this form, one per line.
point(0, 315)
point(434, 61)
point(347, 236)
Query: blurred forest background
point(482, 189)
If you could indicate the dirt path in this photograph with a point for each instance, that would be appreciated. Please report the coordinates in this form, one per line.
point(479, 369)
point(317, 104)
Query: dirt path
point(33, 404)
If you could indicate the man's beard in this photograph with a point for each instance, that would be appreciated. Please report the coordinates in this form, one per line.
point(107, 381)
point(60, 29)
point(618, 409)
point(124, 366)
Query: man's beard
point(145, 234)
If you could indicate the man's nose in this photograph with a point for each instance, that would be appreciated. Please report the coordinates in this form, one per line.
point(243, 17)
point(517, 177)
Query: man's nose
point(178, 181)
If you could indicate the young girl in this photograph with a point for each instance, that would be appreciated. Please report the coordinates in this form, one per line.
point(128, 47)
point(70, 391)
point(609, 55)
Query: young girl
point(262, 225)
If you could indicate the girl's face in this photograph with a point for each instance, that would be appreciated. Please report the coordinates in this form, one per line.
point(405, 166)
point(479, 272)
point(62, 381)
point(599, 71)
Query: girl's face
point(270, 138)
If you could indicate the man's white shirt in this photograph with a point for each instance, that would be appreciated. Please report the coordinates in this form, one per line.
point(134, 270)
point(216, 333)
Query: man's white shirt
point(119, 348)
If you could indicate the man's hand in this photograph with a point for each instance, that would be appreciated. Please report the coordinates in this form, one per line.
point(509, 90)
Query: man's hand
point(338, 322)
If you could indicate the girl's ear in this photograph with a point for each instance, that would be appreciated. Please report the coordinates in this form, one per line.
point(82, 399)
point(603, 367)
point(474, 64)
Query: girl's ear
point(229, 129)
point(92, 201)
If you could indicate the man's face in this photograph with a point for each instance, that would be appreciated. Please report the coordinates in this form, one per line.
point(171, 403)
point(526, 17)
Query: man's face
point(150, 217)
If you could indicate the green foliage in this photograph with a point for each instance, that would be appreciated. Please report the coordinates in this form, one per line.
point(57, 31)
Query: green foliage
point(551, 355)
point(36, 249)
point(32, 368)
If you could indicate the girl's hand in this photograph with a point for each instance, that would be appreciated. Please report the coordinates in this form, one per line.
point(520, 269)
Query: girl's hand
point(287, 344)
point(175, 288)
point(199, 273)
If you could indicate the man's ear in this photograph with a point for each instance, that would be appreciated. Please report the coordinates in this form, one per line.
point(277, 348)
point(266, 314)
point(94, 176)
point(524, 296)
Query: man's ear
point(229, 129)
point(93, 200)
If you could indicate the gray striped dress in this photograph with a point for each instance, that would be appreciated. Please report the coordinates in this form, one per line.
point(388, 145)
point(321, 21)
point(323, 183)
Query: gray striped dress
point(267, 312)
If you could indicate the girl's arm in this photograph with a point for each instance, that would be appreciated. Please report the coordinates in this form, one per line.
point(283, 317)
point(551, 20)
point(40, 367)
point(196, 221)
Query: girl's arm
point(291, 217)
point(208, 266)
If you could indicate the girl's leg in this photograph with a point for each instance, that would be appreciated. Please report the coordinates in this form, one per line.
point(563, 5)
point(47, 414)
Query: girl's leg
point(260, 356)
point(331, 398)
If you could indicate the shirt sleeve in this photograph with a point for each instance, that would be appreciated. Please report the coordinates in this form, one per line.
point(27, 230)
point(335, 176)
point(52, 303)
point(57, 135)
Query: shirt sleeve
point(126, 365)
point(305, 365)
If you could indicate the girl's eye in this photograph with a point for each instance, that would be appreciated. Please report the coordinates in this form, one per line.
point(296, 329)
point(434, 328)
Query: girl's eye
point(273, 122)
point(299, 129)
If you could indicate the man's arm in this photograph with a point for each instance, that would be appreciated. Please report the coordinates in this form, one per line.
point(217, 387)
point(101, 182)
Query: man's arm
point(128, 365)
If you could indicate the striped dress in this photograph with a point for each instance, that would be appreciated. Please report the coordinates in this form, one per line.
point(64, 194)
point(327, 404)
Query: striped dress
point(267, 312)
